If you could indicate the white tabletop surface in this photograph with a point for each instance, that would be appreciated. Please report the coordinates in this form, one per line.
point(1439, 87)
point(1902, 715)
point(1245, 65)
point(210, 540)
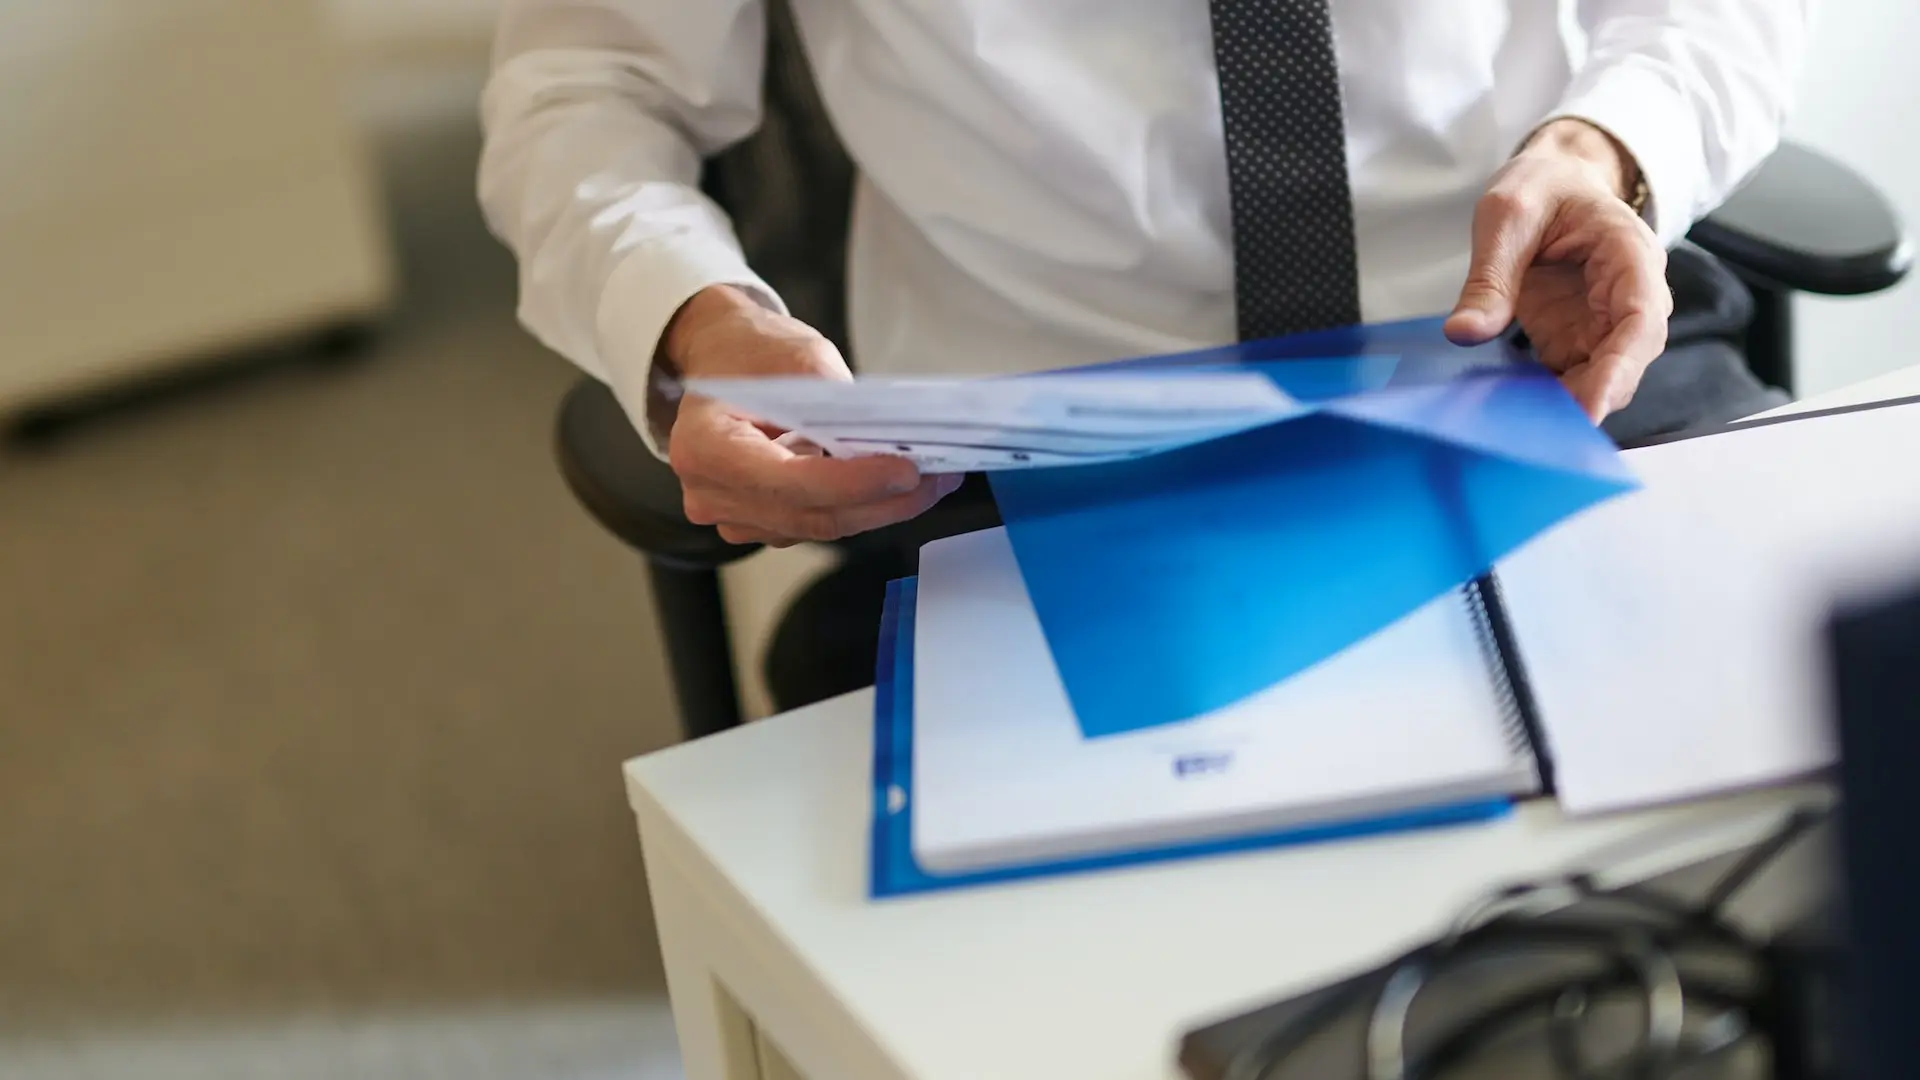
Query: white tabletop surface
point(1092, 977)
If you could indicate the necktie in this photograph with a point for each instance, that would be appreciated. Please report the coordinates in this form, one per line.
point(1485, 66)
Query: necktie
point(1294, 263)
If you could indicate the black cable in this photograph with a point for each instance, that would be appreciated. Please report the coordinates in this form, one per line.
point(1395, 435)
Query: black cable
point(1506, 938)
point(1634, 960)
point(1730, 1025)
point(1460, 1045)
point(1641, 944)
point(1503, 936)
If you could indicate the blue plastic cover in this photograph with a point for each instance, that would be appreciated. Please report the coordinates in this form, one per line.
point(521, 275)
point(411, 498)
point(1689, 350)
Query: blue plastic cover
point(892, 869)
point(1178, 584)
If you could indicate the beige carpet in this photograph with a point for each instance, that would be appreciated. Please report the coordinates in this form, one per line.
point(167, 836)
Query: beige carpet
point(313, 691)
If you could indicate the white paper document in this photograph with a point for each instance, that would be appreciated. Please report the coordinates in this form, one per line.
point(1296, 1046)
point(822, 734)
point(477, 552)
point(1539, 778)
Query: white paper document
point(969, 425)
point(1409, 718)
point(1674, 637)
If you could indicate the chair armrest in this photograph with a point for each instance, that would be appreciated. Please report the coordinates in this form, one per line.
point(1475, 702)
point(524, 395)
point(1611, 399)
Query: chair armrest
point(633, 494)
point(1806, 222)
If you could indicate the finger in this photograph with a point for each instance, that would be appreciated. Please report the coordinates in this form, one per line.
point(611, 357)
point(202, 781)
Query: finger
point(1587, 386)
point(1637, 302)
point(1631, 262)
point(714, 449)
point(708, 505)
point(719, 507)
point(1622, 359)
point(746, 534)
point(1507, 226)
point(1559, 338)
point(800, 527)
point(1555, 313)
point(833, 524)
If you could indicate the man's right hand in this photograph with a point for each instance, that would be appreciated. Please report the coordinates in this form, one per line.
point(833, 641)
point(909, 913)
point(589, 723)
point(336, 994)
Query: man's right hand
point(733, 472)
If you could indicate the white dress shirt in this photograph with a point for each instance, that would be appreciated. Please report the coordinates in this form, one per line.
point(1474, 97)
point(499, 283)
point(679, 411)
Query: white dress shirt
point(1043, 182)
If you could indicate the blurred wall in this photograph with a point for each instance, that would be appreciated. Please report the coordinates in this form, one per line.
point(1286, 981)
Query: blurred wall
point(1861, 103)
point(411, 29)
point(202, 146)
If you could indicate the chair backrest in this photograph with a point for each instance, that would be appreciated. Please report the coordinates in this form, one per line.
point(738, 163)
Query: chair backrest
point(789, 187)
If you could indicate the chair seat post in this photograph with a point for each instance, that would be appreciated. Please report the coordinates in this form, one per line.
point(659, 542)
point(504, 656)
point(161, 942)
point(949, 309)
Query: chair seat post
point(1770, 337)
point(693, 624)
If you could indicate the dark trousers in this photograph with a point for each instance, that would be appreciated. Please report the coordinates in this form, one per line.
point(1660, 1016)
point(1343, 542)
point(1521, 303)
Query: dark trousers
point(826, 642)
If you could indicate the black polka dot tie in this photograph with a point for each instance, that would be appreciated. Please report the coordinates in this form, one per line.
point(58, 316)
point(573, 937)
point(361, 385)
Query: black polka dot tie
point(1294, 263)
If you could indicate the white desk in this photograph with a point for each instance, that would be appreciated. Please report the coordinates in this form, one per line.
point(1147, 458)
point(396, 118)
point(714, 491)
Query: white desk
point(756, 853)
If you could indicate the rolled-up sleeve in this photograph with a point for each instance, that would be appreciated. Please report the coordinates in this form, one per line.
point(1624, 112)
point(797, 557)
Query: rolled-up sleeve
point(1696, 90)
point(597, 115)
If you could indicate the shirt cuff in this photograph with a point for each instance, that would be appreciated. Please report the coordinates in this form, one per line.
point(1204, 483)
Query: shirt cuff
point(1655, 122)
point(642, 295)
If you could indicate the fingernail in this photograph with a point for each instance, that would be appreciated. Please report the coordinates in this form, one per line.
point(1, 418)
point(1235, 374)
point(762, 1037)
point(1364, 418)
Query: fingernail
point(1466, 323)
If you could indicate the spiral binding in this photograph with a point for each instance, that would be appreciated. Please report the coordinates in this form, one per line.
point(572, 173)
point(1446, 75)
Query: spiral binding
point(1518, 719)
point(1514, 725)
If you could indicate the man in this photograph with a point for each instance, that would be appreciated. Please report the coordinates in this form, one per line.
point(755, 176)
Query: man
point(1045, 183)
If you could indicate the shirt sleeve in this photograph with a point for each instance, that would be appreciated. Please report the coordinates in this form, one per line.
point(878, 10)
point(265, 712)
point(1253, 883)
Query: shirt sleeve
point(1696, 90)
point(597, 115)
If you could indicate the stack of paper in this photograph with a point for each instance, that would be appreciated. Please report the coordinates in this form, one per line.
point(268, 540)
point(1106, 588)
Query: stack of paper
point(1406, 729)
point(1320, 596)
point(1350, 488)
point(1661, 646)
point(976, 425)
point(1674, 638)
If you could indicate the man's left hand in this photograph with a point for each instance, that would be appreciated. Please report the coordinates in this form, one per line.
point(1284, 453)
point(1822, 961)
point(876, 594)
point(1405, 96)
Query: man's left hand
point(1557, 246)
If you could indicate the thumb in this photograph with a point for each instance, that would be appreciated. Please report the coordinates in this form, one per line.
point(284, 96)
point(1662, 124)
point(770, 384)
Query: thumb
point(1506, 237)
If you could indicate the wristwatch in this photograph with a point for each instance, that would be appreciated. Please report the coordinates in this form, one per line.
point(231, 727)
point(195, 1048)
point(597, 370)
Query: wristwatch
point(1638, 194)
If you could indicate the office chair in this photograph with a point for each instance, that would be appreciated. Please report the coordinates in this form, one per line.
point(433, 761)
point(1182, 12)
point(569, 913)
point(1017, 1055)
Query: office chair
point(1804, 223)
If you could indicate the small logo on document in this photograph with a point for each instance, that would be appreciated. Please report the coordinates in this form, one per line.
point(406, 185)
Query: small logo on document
point(1188, 766)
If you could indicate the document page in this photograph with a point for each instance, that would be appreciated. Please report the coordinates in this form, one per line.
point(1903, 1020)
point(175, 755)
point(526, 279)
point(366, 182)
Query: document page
point(1410, 718)
point(1673, 636)
point(967, 425)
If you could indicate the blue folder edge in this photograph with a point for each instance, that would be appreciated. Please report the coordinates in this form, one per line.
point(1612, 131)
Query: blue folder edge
point(892, 869)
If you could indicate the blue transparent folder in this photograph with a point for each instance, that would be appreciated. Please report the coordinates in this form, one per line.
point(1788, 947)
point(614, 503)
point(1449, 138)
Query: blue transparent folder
point(892, 868)
point(1175, 585)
